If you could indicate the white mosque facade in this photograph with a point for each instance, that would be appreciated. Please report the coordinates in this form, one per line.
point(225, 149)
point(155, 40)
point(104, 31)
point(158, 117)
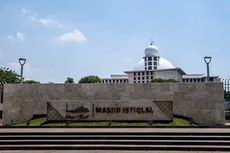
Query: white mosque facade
point(152, 66)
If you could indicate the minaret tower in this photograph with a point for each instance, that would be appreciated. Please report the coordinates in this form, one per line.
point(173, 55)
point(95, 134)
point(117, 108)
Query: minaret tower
point(151, 57)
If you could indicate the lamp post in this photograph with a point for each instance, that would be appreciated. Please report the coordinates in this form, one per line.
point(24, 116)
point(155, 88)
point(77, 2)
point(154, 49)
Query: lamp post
point(22, 61)
point(207, 60)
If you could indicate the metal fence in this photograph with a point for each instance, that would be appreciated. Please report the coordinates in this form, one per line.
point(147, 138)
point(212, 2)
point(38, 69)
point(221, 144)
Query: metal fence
point(226, 83)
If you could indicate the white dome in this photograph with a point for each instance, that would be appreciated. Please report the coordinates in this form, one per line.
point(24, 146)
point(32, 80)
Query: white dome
point(151, 50)
point(164, 64)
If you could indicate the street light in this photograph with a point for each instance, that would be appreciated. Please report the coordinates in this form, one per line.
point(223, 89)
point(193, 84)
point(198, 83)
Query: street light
point(22, 61)
point(207, 60)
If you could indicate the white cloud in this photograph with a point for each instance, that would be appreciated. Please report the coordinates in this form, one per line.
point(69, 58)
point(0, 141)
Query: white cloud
point(42, 21)
point(45, 21)
point(17, 36)
point(25, 11)
point(72, 36)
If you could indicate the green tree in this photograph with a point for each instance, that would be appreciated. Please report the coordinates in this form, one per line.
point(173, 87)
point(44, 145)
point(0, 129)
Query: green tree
point(9, 76)
point(159, 80)
point(30, 81)
point(89, 79)
point(69, 80)
point(227, 95)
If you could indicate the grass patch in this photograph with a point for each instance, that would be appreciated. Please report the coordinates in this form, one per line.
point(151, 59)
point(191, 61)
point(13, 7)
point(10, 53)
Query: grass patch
point(38, 122)
point(176, 122)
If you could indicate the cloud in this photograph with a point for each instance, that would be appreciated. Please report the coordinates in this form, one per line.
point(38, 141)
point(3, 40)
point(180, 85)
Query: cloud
point(41, 21)
point(25, 11)
point(17, 36)
point(45, 21)
point(76, 35)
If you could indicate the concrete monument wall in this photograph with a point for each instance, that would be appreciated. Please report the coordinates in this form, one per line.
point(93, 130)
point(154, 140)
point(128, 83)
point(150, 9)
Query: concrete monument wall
point(201, 101)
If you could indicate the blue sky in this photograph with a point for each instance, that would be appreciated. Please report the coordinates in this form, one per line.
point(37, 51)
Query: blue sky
point(75, 38)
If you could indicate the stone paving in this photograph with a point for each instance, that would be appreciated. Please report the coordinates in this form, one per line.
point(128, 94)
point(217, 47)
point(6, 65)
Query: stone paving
point(104, 151)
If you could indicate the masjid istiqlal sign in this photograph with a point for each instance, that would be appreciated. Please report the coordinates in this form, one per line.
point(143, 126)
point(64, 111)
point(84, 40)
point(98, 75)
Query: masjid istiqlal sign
point(152, 66)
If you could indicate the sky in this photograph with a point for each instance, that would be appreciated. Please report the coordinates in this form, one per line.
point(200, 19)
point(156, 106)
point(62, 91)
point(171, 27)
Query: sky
point(75, 38)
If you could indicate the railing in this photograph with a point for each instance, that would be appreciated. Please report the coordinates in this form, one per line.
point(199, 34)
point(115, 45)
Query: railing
point(226, 83)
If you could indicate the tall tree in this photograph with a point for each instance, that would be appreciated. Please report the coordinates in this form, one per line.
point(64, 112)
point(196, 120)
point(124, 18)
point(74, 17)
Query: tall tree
point(227, 95)
point(90, 79)
point(9, 76)
point(69, 80)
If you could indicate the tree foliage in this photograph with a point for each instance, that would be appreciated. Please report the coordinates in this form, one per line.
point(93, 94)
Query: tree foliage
point(227, 95)
point(69, 80)
point(9, 76)
point(30, 81)
point(90, 79)
point(160, 80)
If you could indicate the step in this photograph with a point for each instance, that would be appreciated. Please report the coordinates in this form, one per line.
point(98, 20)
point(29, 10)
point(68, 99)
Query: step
point(116, 147)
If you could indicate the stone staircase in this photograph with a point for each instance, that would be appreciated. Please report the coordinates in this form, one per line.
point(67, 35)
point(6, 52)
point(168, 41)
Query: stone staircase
point(68, 139)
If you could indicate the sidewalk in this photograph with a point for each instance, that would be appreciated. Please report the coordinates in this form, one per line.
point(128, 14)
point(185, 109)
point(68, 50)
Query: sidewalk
point(103, 151)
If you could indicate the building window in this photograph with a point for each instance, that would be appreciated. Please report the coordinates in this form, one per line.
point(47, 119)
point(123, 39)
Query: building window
point(147, 77)
point(143, 73)
point(151, 72)
point(143, 78)
point(155, 67)
point(134, 73)
point(139, 82)
point(155, 58)
point(134, 81)
point(149, 63)
point(139, 78)
point(147, 73)
point(190, 80)
point(145, 64)
point(149, 58)
point(151, 77)
point(150, 68)
point(143, 81)
point(147, 81)
point(155, 63)
point(138, 73)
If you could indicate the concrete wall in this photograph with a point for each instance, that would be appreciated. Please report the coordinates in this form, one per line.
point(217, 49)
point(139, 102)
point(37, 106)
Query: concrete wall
point(202, 102)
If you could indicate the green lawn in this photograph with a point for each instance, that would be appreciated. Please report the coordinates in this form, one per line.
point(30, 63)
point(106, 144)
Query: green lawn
point(39, 121)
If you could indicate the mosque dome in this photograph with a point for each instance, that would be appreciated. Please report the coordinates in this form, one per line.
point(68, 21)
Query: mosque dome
point(163, 64)
point(151, 50)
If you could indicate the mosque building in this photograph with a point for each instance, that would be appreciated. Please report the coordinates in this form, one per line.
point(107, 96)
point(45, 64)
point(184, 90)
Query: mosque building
point(152, 66)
